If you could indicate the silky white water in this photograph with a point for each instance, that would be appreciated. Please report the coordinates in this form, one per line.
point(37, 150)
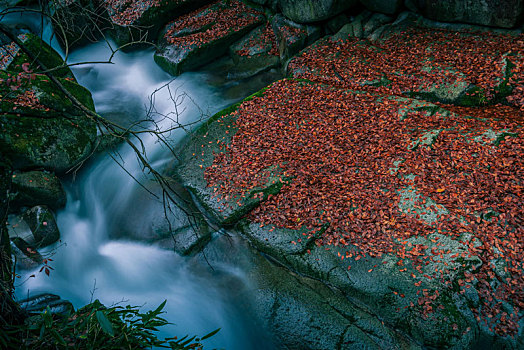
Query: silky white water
point(96, 257)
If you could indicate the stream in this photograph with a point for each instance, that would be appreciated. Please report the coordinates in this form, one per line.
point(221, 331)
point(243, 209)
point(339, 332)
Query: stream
point(110, 224)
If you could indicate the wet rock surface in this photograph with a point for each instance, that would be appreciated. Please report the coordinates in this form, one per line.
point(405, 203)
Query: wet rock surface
point(36, 188)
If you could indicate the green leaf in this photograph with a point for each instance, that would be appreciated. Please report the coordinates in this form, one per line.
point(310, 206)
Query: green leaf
point(105, 323)
point(209, 335)
point(159, 308)
point(58, 337)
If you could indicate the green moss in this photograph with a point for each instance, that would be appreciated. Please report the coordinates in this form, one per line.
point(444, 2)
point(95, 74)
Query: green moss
point(45, 53)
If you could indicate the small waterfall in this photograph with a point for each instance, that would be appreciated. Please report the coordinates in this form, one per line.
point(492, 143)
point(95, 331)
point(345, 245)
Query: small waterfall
point(96, 257)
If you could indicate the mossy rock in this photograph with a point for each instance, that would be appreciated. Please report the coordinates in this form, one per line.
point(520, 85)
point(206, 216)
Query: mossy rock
point(41, 128)
point(13, 58)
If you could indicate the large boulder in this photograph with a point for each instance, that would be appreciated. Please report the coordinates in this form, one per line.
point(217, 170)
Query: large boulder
point(380, 196)
point(308, 11)
point(42, 128)
point(495, 13)
point(36, 188)
point(200, 37)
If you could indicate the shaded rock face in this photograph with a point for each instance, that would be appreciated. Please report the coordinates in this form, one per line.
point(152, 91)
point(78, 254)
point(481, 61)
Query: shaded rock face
point(200, 37)
point(36, 188)
point(293, 37)
point(389, 7)
point(34, 229)
point(255, 53)
point(78, 22)
point(297, 312)
point(496, 13)
point(308, 11)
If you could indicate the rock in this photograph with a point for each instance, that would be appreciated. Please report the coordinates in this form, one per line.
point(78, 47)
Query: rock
point(27, 257)
point(443, 82)
point(37, 188)
point(42, 223)
point(355, 28)
point(494, 13)
point(299, 312)
point(37, 304)
point(308, 11)
point(5, 186)
point(44, 129)
point(389, 7)
point(210, 140)
point(79, 22)
point(142, 20)
point(12, 57)
point(199, 38)
point(336, 23)
point(388, 285)
point(293, 37)
point(376, 21)
point(255, 53)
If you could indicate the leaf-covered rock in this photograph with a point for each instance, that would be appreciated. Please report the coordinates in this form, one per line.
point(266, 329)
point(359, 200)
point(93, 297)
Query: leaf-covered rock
point(459, 67)
point(385, 200)
point(200, 37)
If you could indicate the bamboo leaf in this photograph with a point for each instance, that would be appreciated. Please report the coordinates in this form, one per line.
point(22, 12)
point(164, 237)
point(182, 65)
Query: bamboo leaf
point(105, 323)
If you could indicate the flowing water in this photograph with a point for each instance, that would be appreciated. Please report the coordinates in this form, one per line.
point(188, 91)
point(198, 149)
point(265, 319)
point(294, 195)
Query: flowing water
point(99, 256)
